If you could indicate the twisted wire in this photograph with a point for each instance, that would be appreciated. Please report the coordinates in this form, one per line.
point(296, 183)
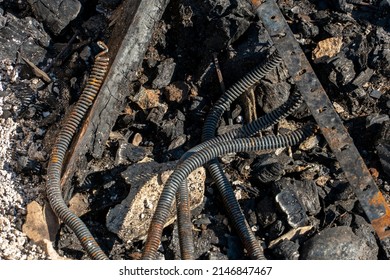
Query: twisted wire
point(53, 185)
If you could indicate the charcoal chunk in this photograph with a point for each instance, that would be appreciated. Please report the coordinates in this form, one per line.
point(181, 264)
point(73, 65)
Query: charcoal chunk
point(337, 243)
point(342, 72)
point(56, 14)
point(266, 212)
point(290, 204)
point(376, 119)
point(24, 35)
point(129, 153)
point(365, 231)
point(286, 250)
point(227, 22)
point(306, 191)
point(165, 73)
point(383, 148)
point(363, 77)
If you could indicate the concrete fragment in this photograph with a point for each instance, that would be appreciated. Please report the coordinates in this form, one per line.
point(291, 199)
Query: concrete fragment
point(337, 243)
point(131, 218)
point(327, 48)
point(56, 14)
point(39, 223)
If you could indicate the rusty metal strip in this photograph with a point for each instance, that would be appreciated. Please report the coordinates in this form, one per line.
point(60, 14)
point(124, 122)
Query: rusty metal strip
point(356, 172)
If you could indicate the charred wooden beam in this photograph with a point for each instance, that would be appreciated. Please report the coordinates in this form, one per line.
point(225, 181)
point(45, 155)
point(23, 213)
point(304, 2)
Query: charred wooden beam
point(128, 43)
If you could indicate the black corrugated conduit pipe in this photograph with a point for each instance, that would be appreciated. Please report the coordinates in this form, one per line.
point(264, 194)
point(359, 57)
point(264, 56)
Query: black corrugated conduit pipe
point(53, 185)
point(224, 102)
point(223, 185)
point(212, 120)
point(196, 160)
point(183, 215)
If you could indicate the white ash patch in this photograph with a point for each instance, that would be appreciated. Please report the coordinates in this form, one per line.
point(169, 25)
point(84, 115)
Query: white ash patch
point(14, 244)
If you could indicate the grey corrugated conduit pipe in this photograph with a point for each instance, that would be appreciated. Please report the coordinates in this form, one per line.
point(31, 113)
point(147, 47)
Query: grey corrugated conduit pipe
point(53, 185)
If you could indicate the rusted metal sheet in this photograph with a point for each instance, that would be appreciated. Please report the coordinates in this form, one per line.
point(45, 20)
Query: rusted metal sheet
point(127, 45)
point(356, 172)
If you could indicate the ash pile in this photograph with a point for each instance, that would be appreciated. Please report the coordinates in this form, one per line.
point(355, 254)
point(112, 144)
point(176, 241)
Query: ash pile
point(296, 200)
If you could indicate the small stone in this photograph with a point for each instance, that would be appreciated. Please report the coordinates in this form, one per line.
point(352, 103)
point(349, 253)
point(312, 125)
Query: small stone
point(225, 221)
point(374, 172)
point(338, 108)
point(322, 180)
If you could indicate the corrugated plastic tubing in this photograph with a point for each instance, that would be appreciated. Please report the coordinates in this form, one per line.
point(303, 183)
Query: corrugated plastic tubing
point(182, 200)
point(185, 237)
point(64, 138)
point(196, 160)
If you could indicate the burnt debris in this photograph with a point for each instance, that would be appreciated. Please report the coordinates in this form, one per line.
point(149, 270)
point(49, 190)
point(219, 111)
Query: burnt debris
point(163, 110)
